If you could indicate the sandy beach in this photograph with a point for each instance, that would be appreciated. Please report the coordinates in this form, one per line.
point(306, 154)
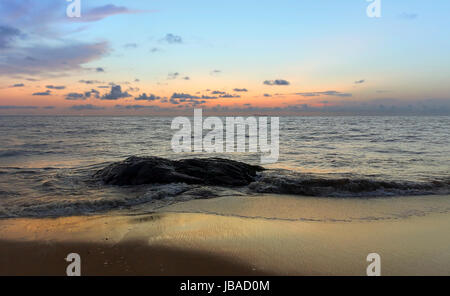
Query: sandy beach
point(236, 236)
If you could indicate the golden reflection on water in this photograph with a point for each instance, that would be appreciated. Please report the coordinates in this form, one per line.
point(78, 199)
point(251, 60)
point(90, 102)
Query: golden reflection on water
point(315, 248)
point(415, 244)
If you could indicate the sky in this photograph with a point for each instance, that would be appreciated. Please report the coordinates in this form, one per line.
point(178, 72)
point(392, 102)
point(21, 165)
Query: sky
point(170, 56)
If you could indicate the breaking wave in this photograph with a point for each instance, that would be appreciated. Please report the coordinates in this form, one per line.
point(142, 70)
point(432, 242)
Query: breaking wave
point(288, 182)
point(51, 192)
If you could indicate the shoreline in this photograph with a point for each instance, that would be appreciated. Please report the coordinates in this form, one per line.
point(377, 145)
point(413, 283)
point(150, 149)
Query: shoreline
point(169, 243)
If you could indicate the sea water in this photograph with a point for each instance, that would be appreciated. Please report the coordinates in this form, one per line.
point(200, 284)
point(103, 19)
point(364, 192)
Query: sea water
point(47, 162)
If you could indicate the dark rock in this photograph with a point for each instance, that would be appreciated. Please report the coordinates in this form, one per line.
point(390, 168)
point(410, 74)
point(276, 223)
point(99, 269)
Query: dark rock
point(150, 170)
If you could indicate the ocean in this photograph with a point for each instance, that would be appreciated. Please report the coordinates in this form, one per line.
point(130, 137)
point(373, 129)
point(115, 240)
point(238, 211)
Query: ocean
point(47, 162)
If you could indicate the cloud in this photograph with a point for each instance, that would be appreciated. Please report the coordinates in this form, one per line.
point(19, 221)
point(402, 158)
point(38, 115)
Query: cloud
point(267, 95)
point(75, 96)
point(218, 92)
point(324, 93)
point(8, 107)
point(44, 25)
point(178, 98)
point(360, 81)
point(46, 93)
point(92, 92)
point(276, 82)
point(90, 82)
point(55, 87)
point(229, 96)
point(101, 12)
point(48, 107)
point(99, 69)
point(83, 96)
point(115, 93)
point(176, 75)
point(35, 15)
point(172, 39)
point(240, 90)
point(86, 107)
point(44, 59)
point(44, 16)
point(18, 85)
point(172, 76)
point(8, 35)
point(155, 49)
point(149, 97)
point(215, 72)
point(135, 107)
point(183, 96)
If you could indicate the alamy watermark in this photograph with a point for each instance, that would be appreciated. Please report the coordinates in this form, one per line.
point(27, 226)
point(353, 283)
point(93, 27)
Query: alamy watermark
point(374, 268)
point(74, 8)
point(229, 137)
point(374, 9)
point(74, 268)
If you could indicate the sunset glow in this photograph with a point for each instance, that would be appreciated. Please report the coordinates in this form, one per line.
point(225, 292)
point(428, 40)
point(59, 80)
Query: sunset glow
point(292, 57)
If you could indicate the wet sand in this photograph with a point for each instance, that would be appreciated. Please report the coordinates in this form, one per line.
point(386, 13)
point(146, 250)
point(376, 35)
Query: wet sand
point(107, 245)
point(129, 258)
point(236, 236)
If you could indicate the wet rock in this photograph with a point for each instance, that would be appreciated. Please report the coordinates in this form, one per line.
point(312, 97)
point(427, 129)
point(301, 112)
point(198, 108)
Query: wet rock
point(151, 170)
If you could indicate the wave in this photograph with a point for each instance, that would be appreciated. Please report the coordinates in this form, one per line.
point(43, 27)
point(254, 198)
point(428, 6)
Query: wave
point(288, 182)
point(12, 153)
point(53, 192)
point(28, 152)
point(82, 206)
